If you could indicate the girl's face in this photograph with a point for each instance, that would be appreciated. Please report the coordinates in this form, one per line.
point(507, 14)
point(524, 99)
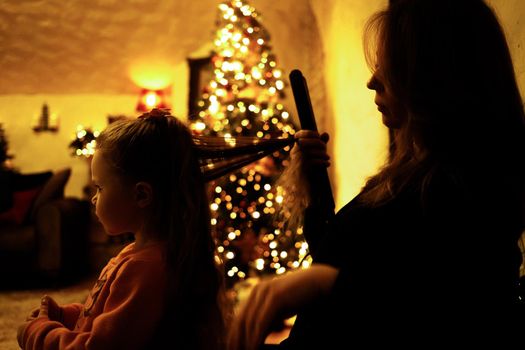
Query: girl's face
point(114, 201)
point(387, 103)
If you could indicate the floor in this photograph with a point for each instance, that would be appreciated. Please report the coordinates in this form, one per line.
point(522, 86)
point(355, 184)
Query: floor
point(15, 306)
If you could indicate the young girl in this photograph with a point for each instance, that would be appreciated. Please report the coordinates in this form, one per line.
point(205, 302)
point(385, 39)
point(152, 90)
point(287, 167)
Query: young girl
point(164, 288)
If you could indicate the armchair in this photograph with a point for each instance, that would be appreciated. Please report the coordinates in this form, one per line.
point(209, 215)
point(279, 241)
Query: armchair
point(43, 236)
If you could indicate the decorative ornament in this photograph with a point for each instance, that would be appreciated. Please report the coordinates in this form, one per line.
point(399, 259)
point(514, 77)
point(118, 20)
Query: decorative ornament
point(84, 143)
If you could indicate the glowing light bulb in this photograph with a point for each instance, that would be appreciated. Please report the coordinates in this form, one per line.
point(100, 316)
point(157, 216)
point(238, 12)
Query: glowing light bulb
point(150, 99)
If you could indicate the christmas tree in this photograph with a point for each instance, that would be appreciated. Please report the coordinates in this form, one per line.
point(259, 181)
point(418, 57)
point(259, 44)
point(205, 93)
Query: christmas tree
point(244, 98)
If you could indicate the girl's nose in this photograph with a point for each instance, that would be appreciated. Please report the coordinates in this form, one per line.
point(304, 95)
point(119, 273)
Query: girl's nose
point(94, 199)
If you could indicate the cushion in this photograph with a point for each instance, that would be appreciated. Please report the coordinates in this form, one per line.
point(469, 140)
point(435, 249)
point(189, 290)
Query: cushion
point(13, 181)
point(22, 201)
point(23, 182)
point(18, 194)
point(53, 189)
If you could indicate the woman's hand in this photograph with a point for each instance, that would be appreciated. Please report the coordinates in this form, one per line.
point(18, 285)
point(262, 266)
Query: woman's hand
point(311, 147)
point(277, 299)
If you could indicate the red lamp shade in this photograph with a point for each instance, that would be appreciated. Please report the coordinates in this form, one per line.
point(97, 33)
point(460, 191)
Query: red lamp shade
point(149, 99)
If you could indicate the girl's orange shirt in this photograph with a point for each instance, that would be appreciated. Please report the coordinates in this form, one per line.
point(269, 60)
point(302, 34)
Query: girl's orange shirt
point(122, 310)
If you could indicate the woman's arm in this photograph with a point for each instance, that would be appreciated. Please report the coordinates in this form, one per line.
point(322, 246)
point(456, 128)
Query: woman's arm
point(278, 298)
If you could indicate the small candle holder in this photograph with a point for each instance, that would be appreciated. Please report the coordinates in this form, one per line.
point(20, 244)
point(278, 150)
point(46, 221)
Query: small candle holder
point(46, 122)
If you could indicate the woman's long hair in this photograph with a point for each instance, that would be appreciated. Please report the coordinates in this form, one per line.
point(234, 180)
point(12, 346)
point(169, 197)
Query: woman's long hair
point(448, 64)
point(158, 149)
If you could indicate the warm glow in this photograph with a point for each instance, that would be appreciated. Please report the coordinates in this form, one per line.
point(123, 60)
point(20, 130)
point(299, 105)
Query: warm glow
point(244, 91)
point(152, 73)
point(151, 99)
point(359, 140)
point(259, 264)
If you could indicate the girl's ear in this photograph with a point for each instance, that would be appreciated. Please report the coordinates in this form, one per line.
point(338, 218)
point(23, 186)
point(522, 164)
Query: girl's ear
point(143, 194)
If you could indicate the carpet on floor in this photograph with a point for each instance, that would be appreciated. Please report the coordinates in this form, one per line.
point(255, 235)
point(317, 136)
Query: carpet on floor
point(16, 305)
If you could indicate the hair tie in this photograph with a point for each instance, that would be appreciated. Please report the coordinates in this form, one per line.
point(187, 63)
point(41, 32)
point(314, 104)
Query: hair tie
point(156, 115)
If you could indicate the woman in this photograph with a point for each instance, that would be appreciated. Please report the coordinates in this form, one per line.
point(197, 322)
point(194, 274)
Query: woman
point(427, 253)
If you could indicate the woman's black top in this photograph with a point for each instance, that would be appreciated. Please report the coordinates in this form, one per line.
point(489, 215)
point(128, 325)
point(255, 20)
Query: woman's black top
point(418, 271)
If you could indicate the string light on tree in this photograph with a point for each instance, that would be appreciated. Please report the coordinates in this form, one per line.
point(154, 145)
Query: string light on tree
point(243, 98)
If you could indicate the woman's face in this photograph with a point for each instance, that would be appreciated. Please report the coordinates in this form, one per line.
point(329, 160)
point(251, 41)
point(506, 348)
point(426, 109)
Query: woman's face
point(389, 106)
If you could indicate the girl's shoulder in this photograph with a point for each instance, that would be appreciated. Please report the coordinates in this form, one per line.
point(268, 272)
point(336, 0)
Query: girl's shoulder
point(139, 262)
point(150, 252)
point(149, 259)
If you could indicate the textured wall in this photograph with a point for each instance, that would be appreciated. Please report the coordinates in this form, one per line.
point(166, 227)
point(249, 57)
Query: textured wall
point(88, 46)
point(512, 17)
point(77, 56)
point(36, 152)
point(359, 141)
